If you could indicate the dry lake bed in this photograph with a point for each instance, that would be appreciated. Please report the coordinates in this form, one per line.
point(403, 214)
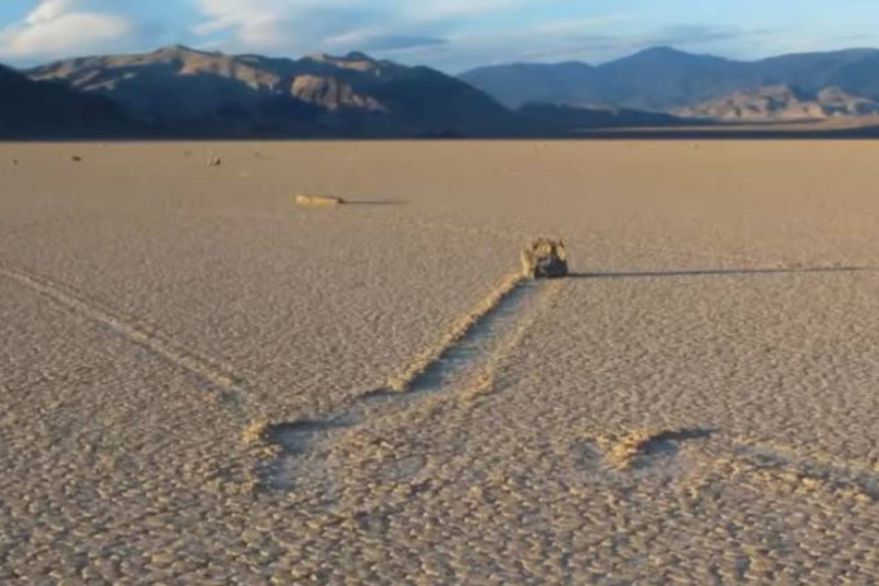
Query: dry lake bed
point(203, 382)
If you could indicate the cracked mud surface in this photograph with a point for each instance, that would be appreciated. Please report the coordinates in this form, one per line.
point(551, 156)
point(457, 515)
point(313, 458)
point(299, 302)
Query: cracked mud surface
point(203, 383)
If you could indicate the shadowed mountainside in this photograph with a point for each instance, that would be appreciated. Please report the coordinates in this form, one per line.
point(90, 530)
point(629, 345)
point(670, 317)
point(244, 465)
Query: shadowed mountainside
point(49, 110)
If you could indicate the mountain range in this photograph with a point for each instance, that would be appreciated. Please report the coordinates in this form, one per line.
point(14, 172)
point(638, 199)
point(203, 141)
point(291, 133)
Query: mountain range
point(182, 92)
point(666, 80)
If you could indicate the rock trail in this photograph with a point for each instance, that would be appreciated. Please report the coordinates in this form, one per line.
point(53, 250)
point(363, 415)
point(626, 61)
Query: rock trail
point(463, 360)
point(218, 377)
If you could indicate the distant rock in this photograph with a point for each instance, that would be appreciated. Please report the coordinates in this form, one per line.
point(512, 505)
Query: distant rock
point(318, 200)
point(545, 258)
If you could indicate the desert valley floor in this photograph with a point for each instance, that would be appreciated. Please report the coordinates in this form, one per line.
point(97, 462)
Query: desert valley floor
point(203, 383)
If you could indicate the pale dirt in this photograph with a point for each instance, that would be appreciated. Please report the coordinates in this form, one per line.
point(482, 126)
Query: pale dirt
point(707, 417)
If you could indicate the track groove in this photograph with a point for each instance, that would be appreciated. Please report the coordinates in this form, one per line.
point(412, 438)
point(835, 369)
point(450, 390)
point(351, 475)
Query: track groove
point(407, 377)
point(177, 354)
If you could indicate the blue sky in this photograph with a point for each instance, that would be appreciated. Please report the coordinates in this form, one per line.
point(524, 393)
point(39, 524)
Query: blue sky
point(449, 34)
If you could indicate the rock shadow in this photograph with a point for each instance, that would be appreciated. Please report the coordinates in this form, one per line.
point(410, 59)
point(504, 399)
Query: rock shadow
point(716, 272)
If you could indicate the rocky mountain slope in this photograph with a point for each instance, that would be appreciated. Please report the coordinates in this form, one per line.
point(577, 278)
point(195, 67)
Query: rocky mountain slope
point(179, 89)
point(781, 102)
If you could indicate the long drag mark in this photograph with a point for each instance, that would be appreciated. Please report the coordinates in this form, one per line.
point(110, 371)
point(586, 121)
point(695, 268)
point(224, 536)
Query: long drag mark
point(151, 340)
point(404, 380)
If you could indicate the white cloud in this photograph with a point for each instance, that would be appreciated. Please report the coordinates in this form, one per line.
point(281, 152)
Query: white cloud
point(58, 28)
point(440, 32)
point(257, 24)
point(47, 11)
point(294, 26)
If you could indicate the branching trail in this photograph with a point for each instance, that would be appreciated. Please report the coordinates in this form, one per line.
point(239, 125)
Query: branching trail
point(216, 376)
point(464, 361)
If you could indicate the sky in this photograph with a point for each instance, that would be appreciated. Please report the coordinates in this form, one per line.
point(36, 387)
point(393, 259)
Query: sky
point(452, 35)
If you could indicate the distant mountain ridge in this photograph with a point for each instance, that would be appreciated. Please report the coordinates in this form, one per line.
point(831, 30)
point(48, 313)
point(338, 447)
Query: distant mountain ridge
point(666, 80)
point(779, 102)
point(183, 89)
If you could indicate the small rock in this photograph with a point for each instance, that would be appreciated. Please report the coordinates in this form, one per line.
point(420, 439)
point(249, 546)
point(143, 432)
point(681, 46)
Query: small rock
point(318, 200)
point(15, 162)
point(76, 159)
point(545, 258)
point(215, 162)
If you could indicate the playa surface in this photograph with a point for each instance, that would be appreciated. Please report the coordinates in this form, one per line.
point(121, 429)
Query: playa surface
point(205, 383)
